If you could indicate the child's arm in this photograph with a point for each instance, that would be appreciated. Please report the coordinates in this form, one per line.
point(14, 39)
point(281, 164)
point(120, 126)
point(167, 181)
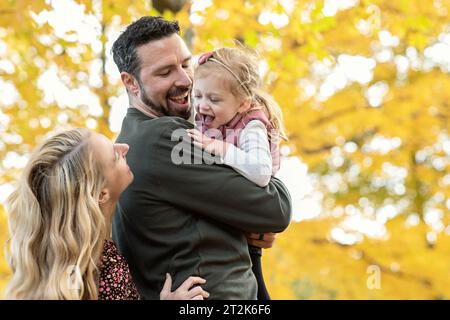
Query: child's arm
point(252, 158)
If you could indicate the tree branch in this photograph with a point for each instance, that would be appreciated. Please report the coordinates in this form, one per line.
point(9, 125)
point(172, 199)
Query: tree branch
point(358, 139)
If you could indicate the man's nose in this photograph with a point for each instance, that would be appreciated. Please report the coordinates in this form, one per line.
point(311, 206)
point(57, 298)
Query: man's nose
point(184, 78)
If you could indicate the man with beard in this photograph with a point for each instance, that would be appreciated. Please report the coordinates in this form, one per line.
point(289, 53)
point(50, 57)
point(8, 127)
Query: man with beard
point(182, 218)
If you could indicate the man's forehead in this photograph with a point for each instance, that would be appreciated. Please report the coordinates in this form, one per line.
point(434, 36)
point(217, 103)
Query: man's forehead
point(167, 50)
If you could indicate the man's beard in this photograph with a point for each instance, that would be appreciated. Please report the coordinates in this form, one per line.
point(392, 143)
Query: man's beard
point(162, 110)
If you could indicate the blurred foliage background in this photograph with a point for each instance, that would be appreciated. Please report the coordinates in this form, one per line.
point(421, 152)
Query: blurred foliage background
point(365, 91)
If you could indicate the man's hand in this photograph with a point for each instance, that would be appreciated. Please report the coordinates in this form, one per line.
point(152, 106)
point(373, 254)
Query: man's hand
point(184, 292)
point(261, 240)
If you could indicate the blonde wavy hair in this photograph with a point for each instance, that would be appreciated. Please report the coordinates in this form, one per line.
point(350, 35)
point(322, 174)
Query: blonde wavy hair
point(240, 66)
point(57, 229)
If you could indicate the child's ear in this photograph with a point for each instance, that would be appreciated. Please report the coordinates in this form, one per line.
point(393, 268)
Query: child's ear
point(130, 83)
point(104, 197)
point(245, 105)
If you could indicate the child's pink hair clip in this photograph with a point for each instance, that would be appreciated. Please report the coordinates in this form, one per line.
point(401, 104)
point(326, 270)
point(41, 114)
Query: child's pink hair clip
point(204, 57)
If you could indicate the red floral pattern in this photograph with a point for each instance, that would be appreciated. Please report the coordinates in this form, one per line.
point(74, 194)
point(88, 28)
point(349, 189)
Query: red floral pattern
point(115, 281)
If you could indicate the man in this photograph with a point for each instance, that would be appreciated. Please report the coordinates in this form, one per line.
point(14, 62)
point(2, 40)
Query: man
point(181, 218)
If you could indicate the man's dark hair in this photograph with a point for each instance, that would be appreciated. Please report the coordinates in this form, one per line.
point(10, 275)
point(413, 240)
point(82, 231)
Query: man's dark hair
point(138, 33)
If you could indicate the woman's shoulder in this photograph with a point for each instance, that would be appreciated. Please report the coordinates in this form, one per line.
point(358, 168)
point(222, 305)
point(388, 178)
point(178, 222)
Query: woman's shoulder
point(110, 254)
point(115, 282)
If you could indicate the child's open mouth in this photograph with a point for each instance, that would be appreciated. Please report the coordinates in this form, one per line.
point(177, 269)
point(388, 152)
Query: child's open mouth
point(207, 120)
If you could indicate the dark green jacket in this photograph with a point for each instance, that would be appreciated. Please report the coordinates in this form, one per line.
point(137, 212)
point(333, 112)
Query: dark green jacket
point(188, 219)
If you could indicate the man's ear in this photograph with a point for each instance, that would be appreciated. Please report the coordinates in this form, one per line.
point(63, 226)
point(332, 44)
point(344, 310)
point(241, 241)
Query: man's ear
point(104, 197)
point(130, 83)
point(245, 105)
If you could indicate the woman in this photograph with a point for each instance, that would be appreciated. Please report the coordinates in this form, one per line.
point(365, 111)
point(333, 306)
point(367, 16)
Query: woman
point(60, 219)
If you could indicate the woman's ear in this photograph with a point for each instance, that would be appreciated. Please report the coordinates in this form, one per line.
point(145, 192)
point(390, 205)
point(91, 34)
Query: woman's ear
point(245, 105)
point(104, 197)
point(130, 83)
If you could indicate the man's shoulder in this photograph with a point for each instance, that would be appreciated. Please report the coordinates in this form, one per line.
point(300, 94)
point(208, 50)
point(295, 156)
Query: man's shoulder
point(167, 123)
point(143, 130)
point(143, 126)
point(163, 131)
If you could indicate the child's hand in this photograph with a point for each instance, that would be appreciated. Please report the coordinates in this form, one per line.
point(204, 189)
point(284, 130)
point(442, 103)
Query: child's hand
point(213, 146)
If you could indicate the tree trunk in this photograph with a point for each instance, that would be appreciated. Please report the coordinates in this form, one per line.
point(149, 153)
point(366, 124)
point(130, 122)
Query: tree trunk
point(171, 5)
